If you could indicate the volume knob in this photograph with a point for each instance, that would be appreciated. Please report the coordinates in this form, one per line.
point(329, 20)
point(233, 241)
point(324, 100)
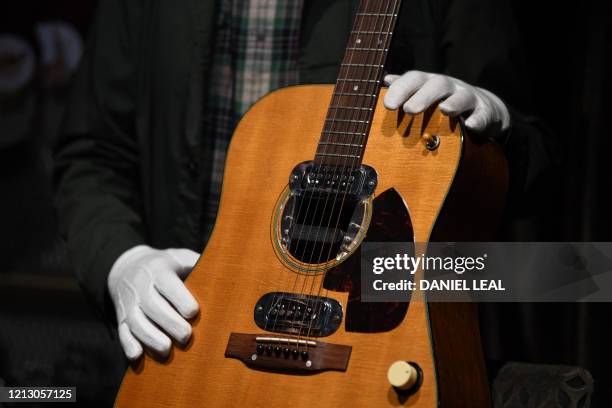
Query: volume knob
point(403, 375)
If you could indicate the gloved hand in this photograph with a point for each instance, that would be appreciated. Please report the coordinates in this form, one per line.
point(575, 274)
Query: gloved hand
point(417, 90)
point(143, 284)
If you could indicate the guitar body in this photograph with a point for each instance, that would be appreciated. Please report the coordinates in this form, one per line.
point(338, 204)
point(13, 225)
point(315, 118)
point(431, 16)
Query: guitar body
point(453, 192)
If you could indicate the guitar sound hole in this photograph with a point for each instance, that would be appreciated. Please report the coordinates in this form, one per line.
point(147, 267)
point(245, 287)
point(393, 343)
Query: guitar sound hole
point(323, 215)
point(321, 223)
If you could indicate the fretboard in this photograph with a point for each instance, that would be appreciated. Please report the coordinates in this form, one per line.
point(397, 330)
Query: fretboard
point(347, 125)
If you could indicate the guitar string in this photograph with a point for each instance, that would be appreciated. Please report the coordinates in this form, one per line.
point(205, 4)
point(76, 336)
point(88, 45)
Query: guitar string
point(348, 69)
point(387, 42)
point(354, 116)
point(379, 67)
point(327, 123)
point(358, 111)
point(341, 83)
point(315, 316)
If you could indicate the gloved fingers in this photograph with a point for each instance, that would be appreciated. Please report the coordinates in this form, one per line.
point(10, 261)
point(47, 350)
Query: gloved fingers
point(498, 111)
point(435, 89)
point(389, 79)
point(458, 103)
point(404, 87)
point(147, 333)
point(131, 347)
point(159, 310)
point(186, 259)
point(479, 119)
point(173, 289)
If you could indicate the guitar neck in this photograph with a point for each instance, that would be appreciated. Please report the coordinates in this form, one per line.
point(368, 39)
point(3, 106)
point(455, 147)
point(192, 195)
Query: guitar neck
point(347, 124)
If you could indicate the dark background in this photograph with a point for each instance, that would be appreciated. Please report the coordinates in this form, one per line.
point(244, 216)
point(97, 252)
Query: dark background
point(50, 334)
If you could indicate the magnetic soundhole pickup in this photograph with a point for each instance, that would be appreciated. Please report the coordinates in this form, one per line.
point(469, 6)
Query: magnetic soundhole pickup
point(285, 354)
point(298, 314)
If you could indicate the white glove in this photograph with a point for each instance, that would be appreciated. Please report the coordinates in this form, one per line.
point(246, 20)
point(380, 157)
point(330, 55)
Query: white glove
point(418, 90)
point(143, 284)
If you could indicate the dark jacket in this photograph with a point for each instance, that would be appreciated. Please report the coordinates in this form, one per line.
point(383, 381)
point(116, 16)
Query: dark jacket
point(132, 158)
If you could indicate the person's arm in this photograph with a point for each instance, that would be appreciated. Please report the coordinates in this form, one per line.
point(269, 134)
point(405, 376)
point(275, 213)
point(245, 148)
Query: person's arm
point(99, 200)
point(96, 157)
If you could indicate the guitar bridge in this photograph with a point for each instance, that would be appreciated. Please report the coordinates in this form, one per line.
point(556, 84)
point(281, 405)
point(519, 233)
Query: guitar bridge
point(290, 355)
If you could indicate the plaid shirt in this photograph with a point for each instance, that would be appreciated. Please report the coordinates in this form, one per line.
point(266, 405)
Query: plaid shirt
point(256, 48)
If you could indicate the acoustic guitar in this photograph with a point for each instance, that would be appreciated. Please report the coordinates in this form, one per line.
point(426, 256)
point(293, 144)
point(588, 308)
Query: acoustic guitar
point(282, 322)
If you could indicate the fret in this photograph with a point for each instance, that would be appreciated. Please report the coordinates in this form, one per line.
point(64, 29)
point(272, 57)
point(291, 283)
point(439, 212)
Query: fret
point(351, 107)
point(377, 14)
point(346, 120)
point(337, 132)
point(367, 49)
point(353, 94)
point(357, 80)
point(351, 156)
point(361, 65)
point(340, 144)
point(370, 32)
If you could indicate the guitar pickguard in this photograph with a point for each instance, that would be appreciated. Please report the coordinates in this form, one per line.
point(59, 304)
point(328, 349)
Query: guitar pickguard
point(390, 223)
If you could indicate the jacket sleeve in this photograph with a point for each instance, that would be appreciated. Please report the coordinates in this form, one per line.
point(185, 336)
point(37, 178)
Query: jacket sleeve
point(97, 187)
point(480, 44)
